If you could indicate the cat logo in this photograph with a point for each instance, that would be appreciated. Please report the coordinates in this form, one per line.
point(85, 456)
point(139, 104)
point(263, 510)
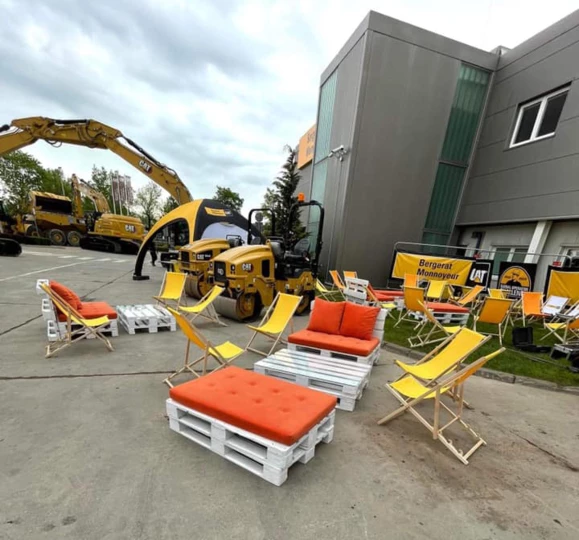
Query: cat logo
point(478, 276)
point(515, 280)
point(147, 167)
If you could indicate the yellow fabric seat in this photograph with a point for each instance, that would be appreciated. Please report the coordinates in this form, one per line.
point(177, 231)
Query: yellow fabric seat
point(227, 350)
point(172, 288)
point(205, 308)
point(555, 325)
point(93, 323)
point(410, 387)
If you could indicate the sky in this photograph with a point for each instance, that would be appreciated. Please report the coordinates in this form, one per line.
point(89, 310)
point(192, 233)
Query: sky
point(214, 89)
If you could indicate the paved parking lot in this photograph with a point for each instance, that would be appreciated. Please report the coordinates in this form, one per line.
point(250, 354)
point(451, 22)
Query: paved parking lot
point(86, 452)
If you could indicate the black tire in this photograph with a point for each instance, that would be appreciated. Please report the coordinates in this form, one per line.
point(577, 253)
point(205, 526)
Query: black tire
point(74, 238)
point(57, 237)
point(32, 231)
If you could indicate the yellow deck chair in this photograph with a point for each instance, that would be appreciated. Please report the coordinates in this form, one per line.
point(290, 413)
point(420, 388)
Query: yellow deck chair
point(275, 321)
point(172, 288)
point(337, 280)
point(325, 293)
point(86, 327)
point(414, 302)
point(469, 297)
point(567, 323)
point(410, 392)
point(373, 301)
point(350, 274)
point(410, 280)
point(438, 331)
point(497, 293)
point(446, 356)
point(223, 354)
point(205, 307)
point(494, 311)
point(438, 290)
point(531, 307)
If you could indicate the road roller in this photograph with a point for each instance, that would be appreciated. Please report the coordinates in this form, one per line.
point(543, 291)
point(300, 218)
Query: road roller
point(252, 275)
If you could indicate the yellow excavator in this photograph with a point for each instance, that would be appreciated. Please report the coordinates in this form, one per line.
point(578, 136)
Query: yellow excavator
point(109, 232)
point(253, 274)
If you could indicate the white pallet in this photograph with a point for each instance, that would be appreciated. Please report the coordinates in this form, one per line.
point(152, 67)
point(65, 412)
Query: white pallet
point(38, 289)
point(341, 378)
point(56, 329)
point(444, 317)
point(47, 310)
point(370, 360)
point(267, 459)
point(145, 317)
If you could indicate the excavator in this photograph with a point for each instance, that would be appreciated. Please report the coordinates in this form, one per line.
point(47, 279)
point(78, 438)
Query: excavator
point(253, 274)
point(109, 232)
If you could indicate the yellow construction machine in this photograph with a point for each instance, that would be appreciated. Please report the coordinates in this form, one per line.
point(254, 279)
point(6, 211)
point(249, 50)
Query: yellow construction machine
point(253, 274)
point(108, 232)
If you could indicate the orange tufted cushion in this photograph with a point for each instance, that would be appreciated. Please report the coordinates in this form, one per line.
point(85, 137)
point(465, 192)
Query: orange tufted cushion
point(445, 308)
point(93, 310)
point(348, 345)
point(359, 321)
point(277, 410)
point(326, 316)
point(68, 295)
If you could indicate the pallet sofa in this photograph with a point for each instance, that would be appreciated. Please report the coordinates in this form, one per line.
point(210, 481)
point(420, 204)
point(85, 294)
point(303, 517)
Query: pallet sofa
point(56, 320)
point(342, 330)
point(260, 423)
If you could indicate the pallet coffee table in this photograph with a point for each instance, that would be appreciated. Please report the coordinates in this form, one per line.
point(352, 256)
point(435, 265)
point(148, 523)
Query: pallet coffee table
point(145, 317)
point(341, 378)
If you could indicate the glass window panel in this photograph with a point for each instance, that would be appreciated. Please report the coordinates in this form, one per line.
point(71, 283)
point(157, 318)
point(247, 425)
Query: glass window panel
point(529, 116)
point(519, 254)
point(325, 118)
point(501, 254)
point(444, 200)
point(552, 114)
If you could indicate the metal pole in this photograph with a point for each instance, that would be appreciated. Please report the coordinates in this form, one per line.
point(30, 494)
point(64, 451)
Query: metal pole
point(113, 194)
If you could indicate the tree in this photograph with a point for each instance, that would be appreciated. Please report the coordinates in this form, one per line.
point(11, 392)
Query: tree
point(169, 205)
point(53, 181)
point(20, 173)
point(229, 198)
point(281, 197)
point(100, 179)
point(148, 198)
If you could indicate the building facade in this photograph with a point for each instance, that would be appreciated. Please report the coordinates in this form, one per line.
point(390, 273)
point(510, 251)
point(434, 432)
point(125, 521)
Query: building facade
point(424, 139)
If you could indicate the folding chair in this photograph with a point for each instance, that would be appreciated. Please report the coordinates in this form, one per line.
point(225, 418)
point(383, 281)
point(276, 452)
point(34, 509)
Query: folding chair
point(438, 332)
point(413, 303)
point(324, 292)
point(337, 280)
point(350, 274)
point(223, 354)
point(86, 327)
point(554, 306)
point(497, 293)
point(205, 307)
point(531, 307)
point(567, 322)
point(469, 297)
point(275, 321)
point(373, 300)
point(494, 311)
point(438, 290)
point(410, 392)
point(172, 288)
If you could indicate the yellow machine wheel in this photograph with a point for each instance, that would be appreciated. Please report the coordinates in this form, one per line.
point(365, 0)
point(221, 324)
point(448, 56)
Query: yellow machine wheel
point(192, 287)
point(57, 237)
point(304, 305)
point(245, 306)
point(32, 231)
point(73, 238)
point(203, 287)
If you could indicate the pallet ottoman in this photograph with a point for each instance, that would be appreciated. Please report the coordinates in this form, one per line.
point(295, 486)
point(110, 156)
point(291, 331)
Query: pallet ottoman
point(257, 422)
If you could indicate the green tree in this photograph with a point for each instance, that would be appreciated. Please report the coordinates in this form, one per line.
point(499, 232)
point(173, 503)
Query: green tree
point(53, 181)
point(229, 198)
point(20, 173)
point(100, 179)
point(169, 205)
point(281, 197)
point(148, 199)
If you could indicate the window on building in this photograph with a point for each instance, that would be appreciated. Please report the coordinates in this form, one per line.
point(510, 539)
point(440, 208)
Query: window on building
point(509, 254)
point(538, 119)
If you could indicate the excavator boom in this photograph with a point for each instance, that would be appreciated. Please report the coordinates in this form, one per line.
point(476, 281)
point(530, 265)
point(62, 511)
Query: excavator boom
point(91, 134)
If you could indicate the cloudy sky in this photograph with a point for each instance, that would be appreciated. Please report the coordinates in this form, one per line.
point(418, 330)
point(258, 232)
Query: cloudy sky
point(212, 88)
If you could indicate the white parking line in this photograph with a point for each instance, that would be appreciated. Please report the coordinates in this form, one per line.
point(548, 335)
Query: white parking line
point(41, 271)
point(85, 258)
point(67, 256)
point(120, 260)
point(41, 253)
point(102, 260)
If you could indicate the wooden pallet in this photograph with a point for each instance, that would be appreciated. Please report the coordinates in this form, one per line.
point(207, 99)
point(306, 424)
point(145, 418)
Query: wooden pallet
point(341, 378)
point(267, 459)
point(55, 329)
point(145, 317)
point(370, 360)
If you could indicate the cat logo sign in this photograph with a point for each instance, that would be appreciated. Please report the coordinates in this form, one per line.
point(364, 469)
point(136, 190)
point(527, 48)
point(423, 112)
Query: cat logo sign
point(515, 280)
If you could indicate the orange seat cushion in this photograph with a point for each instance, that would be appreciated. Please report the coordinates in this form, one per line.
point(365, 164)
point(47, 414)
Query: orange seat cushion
point(359, 321)
point(388, 295)
point(443, 307)
point(93, 310)
point(68, 295)
point(326, 316)
point(277, 410)
point(337, 343)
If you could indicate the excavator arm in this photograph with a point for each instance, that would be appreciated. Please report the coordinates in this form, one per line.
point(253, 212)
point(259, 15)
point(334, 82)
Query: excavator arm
point(91, 134)
point(81, 189)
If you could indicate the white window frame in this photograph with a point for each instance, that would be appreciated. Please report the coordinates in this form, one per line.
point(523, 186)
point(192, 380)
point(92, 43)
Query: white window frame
point(538, 121)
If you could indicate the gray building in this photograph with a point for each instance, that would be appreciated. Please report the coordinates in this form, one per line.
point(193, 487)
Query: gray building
point(421, 138)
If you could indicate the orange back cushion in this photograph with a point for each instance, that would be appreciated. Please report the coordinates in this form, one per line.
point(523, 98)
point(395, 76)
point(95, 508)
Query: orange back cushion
point(68, 295)
point(358, 321)
point(326, 316)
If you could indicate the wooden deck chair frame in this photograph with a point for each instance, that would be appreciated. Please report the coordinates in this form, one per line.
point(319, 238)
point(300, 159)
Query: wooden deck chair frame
point(439, 293)
point(350, 274)
point(337, 281)
point(161, 299)
point(406, 313)
point(502, 325)
point(276, 337)
point(373, 301)
point(204, 308)
point(530, 318)
point(433, 336)
point(451, 382)
point(554, 306)
point(87, 327)
point(469, 297)
point(324, 293)
point(193, 335)
point(410, 280)
point(497, 293)
point(564, 322)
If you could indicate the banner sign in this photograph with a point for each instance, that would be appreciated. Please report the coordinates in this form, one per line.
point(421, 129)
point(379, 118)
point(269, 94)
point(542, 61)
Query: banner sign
point(563, 282)
point(429, 267)
point(480, 273)
point(516, 278)
point(306, 147)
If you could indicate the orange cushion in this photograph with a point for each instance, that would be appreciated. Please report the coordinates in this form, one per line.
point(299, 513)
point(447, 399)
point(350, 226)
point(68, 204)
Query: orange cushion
point(326, 316)
point(93, 310)
point(68, 295)
point(446, 308)
point(388, 295)
point(359, 321)
point(337, 343)
point(277, 410)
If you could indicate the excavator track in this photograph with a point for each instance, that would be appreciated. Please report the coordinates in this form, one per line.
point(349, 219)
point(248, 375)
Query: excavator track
point(9, 247)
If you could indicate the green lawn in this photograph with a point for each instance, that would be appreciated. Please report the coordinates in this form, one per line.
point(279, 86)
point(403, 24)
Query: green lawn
point(510, 361)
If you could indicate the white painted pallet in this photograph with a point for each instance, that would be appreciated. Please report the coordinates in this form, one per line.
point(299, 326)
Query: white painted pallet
point(56, 329)
point(444, 317)
point(267, 459)
point(341, 378)
point(145, 317)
